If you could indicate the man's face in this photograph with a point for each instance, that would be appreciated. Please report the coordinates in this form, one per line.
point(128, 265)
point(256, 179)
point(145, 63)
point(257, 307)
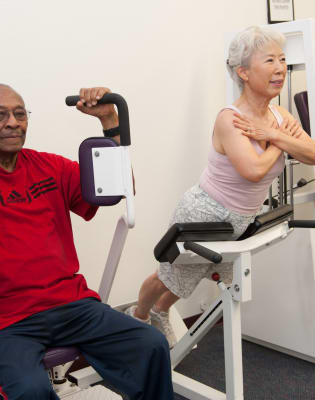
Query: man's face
point(12, 124)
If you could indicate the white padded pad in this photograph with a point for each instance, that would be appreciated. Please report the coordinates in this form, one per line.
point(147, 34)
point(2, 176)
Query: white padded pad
point(97, 392)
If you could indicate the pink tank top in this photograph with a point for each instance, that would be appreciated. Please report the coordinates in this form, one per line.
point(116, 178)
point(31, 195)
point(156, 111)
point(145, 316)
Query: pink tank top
point(226, 186)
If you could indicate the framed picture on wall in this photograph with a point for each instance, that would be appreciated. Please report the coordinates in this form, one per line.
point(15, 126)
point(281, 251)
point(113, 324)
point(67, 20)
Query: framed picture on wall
point(280, 11)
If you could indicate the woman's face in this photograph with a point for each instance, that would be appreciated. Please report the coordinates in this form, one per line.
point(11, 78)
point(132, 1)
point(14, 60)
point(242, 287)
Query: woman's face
point(267, 70)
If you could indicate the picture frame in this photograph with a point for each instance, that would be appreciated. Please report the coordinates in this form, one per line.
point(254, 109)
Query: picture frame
point(280, 11)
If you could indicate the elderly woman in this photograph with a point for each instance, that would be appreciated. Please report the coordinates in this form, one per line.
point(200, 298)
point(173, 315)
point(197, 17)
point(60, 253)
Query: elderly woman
point(245, 156)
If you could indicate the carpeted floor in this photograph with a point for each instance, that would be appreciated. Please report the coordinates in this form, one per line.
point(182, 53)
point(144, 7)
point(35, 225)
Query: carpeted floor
point(268, 375)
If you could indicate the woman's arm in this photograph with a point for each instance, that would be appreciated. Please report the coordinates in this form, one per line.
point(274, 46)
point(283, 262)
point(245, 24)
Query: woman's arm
point(301, 150)
point(299, 145)
point(240, 150)
point(289, 137)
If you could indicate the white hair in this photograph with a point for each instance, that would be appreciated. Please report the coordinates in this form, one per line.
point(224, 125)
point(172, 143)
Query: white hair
point(245, 44)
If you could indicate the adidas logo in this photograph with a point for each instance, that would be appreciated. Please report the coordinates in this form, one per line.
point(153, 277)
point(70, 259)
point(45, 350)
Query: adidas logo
point(15, 197)
point(33, 192)
point(39, 188)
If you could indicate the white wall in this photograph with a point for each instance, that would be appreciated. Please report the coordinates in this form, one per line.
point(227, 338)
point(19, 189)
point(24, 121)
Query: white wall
point(166, 58)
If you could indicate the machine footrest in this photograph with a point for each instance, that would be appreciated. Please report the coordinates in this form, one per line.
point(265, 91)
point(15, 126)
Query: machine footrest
point(97, 392)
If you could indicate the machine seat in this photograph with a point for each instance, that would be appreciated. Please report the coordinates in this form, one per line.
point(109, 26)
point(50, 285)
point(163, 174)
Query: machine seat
point(60, 355)
point(167, 251)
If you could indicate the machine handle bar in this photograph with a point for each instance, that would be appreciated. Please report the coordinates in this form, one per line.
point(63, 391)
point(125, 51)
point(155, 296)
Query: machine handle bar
point(123, 115)
point(203, 252)
point(300, 223)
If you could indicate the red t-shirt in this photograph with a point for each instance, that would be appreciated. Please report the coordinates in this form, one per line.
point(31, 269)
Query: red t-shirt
point(38, 260)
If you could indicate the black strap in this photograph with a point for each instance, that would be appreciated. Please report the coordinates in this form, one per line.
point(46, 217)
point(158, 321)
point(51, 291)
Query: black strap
point(110, 133)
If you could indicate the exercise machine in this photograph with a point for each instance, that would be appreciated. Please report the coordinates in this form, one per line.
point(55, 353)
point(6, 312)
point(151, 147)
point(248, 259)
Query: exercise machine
point(289, 325)
point(190, 243)
point(106, 178)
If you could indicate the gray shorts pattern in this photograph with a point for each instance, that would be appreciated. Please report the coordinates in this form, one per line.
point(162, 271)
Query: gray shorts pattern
point(197, 206)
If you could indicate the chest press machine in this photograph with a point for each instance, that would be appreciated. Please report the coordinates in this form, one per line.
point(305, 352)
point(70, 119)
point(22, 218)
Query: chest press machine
point(97, 157)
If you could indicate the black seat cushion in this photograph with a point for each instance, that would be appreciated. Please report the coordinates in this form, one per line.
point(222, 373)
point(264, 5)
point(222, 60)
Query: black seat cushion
point(166, 249)
point(267, 220)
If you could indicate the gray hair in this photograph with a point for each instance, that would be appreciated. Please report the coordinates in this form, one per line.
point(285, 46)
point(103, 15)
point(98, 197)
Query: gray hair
point(245, 44)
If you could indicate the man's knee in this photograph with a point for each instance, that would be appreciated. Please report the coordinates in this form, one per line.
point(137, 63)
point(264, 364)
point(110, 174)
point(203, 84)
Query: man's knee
point(156, 341)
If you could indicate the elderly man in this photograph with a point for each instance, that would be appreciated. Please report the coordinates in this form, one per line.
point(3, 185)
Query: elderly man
point(44, 302)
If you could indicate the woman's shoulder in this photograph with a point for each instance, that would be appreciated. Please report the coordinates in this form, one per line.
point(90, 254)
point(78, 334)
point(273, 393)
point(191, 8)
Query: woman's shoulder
point(281, 110)
point(225, 116)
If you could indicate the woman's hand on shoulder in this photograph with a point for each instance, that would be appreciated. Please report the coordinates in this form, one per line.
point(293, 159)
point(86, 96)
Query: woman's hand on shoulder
point(294, 140)
point(258, 130)
point(255, 129)
point(239, 149)
point(290, 126)
point(227, 136)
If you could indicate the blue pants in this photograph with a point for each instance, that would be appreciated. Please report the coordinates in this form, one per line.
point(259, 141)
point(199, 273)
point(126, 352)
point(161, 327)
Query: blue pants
point(131, 356)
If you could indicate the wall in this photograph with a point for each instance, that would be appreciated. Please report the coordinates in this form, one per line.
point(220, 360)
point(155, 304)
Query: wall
point(166, 58)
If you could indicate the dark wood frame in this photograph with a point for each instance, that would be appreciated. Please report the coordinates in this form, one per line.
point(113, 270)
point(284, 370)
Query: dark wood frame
point(270, 21)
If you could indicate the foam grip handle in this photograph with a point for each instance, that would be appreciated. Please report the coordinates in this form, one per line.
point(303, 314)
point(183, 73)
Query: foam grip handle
point(203, 252)
point(123, 114)
point(300, 223)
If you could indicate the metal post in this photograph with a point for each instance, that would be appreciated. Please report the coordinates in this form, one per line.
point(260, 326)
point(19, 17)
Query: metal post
point(280, 189)
point(270, 198)
point(289, 78)
point(291, 185)
point(232, 348)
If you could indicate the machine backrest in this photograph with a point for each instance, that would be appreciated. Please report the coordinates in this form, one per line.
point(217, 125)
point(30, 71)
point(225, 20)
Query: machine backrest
point(301, 102)
point(87, 171)
point(268, 220)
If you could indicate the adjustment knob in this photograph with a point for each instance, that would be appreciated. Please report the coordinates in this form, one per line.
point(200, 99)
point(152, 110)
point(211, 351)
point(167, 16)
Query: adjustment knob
point(215, 276)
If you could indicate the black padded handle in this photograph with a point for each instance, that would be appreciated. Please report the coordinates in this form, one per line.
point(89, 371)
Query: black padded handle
point(301, 223)
point(123, 115)
point(203, 252)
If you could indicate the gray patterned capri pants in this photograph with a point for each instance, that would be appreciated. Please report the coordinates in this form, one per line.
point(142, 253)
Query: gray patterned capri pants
point(197, 206)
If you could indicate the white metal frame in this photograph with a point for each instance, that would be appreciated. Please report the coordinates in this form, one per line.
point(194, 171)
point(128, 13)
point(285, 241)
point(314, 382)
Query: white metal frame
point(119, 156)
point(118, 182)
point(300, 54)
point(227, 304)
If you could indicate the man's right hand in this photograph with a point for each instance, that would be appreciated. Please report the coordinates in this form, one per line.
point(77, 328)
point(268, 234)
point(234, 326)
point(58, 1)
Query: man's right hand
point(88, 105)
